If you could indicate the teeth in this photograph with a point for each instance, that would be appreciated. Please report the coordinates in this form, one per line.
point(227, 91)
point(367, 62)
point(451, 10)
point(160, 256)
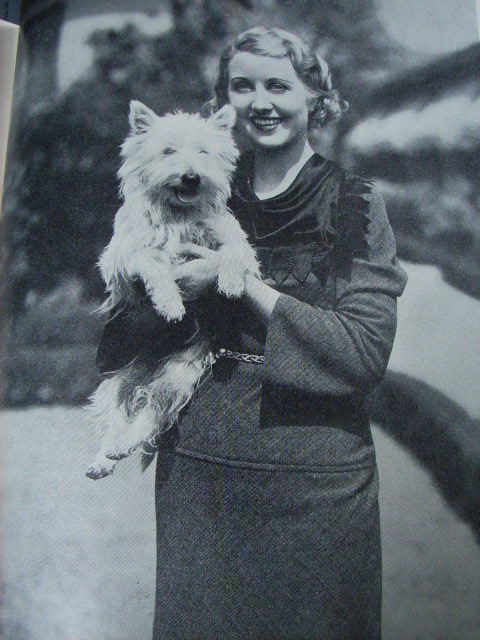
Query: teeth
point(266, 121)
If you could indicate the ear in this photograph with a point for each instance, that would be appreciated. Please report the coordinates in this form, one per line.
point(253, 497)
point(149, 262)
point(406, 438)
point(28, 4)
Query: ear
point(316, 106)
point(224, 118)
point(140, 117)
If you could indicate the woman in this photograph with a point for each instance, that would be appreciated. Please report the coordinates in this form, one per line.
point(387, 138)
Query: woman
point(267, 492)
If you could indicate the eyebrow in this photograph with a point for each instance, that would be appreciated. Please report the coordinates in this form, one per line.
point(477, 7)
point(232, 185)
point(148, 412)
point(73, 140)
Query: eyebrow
point(273, 79)
point(280, 80)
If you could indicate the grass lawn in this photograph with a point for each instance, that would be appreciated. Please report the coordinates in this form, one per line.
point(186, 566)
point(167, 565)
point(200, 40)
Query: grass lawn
point(78, 556)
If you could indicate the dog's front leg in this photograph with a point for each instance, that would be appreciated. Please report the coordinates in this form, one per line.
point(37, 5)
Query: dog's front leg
point(156, 273)
point(236, 257)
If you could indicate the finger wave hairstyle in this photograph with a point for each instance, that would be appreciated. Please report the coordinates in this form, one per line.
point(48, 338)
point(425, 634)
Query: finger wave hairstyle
point(311, 68)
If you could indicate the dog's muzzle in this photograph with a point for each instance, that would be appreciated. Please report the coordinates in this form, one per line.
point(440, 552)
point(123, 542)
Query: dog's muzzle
point(190, 180)
point(189, 187)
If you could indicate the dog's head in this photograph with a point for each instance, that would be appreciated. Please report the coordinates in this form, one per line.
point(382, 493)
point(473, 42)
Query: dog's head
point(182, 163)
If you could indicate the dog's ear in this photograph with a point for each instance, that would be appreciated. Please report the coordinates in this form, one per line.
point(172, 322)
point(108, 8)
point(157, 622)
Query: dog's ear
point(140, 117)
point(224, 118)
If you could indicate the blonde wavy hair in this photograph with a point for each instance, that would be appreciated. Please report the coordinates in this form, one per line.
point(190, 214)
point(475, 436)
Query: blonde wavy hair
point(310, 67)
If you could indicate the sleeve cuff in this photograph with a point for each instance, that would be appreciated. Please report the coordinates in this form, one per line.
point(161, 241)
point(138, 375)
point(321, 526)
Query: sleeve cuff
point(276, 345)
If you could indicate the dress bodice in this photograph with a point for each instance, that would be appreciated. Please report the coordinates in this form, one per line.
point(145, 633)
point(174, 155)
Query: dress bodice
point(290, 231)
point(301, 234)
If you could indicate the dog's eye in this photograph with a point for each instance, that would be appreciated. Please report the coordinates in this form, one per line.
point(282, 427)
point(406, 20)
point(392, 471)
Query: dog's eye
point(203, 151)
point(168, 151)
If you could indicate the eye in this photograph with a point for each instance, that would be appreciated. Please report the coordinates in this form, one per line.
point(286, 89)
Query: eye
point(240, 86)
point(203, 151)
point(277, 86)
point(168, 151)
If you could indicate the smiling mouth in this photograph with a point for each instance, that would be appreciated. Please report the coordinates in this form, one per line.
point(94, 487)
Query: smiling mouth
point(266, 124)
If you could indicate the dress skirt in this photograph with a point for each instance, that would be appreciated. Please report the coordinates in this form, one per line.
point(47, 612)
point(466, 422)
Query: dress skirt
point(262, 551)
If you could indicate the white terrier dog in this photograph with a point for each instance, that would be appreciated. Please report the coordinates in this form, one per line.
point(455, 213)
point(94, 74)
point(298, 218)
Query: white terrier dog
point(175, 182)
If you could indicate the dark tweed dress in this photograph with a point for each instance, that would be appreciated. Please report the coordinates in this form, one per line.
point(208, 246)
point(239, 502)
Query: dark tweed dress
point(267, 492)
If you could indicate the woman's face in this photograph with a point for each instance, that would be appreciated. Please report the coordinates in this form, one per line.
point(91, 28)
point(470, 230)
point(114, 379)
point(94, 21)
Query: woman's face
point(271, 101)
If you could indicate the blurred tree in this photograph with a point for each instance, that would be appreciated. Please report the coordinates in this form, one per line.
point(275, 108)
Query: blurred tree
point(430, 184)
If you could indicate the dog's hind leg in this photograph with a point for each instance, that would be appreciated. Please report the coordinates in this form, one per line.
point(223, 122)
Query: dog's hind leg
point(141, 429)
point(101, 467)
point(105, 412)
point(172, 388)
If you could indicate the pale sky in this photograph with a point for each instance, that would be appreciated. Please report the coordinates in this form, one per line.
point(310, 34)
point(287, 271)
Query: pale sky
point(450, 123)
point(432, 26)
point(74, 56)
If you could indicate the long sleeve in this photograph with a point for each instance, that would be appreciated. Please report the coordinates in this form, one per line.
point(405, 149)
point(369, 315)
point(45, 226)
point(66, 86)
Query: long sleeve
point(342, 351)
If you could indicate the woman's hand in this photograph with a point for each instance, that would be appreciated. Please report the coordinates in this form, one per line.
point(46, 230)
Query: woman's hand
point(195, 276)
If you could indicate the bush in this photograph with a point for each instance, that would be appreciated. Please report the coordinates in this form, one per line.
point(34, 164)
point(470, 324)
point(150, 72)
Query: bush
point(49, 351)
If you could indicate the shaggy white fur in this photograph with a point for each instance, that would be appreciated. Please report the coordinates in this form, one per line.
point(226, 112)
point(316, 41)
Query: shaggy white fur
point(175, 182)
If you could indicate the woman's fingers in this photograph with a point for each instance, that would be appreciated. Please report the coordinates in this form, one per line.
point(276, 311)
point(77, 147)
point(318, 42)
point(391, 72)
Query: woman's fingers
point(197, 269)
point(186, 269)
point(196, 250)
point(195, 275)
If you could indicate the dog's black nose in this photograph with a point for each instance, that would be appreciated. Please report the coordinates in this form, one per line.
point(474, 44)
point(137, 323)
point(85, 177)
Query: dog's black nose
point(191, 179)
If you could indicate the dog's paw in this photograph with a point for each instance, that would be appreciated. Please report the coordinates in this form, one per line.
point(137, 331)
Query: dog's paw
point(172, 309)
point(231, 285)
point(100, 469)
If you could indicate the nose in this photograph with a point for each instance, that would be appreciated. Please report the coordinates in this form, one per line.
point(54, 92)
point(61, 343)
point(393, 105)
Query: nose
point(261, 101)
point(191, 179)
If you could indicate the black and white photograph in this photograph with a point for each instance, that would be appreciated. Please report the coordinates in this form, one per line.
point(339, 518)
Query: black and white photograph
point(240, 321)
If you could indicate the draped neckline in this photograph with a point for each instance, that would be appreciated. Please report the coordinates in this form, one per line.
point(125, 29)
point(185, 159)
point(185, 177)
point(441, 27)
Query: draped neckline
point(305, 206)
point(280, 193)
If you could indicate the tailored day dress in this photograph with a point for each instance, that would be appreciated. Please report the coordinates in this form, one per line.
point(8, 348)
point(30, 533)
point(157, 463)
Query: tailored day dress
point(267, 490)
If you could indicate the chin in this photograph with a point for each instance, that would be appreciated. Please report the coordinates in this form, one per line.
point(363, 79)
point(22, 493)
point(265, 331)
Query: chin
point(271, 142)
point(179, 211)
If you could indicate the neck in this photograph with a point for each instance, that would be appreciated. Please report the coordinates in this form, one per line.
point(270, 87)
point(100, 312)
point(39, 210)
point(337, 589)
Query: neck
point(277, 168)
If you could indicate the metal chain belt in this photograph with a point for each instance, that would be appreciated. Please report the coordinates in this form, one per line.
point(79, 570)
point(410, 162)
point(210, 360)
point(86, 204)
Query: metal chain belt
point(235, 355)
